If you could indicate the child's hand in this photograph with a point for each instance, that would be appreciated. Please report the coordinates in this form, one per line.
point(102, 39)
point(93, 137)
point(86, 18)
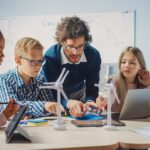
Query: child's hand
point(52, 107)
point(10, 109)
point(27, 117)
point(144, 77)
point(102, 102)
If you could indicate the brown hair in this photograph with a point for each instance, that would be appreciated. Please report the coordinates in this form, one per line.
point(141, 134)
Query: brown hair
point(2, 36)
point(2, 39)
point(71, 28)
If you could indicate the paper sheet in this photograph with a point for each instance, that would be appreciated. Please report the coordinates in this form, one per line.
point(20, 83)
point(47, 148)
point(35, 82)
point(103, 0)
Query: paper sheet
point(144, 130)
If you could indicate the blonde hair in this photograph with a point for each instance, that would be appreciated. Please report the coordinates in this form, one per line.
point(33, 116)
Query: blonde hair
point(26, 44)
point(121, 85)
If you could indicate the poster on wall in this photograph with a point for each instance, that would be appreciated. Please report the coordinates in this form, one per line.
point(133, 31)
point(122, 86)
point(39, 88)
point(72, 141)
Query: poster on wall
point(111, 32)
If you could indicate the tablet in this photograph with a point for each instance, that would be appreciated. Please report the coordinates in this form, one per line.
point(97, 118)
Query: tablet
point(136, 105)
point(95, 123)
point(13, 125)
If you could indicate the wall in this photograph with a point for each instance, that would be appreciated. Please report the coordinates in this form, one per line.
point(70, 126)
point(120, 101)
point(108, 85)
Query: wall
point(44, 7)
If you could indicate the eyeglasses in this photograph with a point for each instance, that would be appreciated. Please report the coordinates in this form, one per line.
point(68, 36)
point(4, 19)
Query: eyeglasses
point(35, 62)
point(78, 48)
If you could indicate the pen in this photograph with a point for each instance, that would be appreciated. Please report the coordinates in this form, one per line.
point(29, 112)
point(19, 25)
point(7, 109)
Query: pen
point(16, 102)
point(2, 103)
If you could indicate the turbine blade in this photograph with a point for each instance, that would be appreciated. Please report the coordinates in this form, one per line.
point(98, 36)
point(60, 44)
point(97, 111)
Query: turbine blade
point(63, 93)
point(64, 77)
point(115, 93)
point(47, 87)
point(49, 83)
point(60, 76)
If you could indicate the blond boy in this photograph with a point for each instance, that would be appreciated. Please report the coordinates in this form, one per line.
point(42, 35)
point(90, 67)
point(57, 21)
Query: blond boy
point(22, 83)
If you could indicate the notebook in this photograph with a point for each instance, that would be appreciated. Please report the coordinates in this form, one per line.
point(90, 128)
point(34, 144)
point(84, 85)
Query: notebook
point(136, 105)
point(37, 122)
point(14, 132)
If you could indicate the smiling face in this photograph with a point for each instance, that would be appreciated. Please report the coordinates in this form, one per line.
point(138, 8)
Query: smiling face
point(129, 66)
point(73, 49)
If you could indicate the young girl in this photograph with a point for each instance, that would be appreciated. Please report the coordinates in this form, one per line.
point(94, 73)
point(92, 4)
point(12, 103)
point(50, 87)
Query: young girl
point(132, 75)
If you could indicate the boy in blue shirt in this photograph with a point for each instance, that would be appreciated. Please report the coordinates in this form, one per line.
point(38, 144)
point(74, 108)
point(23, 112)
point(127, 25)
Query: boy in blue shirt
point(22, 83)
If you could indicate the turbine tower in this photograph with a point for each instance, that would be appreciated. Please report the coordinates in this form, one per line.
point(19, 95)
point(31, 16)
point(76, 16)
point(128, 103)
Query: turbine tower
point(58, 86)
point(110, 90)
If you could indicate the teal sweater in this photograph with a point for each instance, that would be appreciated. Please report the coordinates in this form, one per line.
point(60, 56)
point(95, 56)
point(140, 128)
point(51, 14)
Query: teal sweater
point(84, 73)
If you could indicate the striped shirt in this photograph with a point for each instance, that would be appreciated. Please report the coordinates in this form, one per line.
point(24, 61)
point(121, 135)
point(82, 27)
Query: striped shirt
point(12, 86)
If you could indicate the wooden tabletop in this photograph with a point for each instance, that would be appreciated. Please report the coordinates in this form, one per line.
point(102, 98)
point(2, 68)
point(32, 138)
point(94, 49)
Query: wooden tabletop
point(83, 138)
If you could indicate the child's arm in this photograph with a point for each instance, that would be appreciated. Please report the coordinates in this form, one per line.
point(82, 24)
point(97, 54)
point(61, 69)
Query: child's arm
point(45, 104)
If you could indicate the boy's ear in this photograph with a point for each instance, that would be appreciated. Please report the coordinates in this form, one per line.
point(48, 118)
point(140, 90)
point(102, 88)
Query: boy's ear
point(18, 60)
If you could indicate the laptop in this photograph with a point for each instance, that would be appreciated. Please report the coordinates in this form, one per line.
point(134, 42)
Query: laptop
point(14, 132)
point(136, 105)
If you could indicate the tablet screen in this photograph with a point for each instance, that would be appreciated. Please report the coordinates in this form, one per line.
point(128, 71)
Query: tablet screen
point(15, 120)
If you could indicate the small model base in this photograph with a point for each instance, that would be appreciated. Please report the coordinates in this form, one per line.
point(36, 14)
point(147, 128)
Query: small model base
point(60, 127)
point(110, 127)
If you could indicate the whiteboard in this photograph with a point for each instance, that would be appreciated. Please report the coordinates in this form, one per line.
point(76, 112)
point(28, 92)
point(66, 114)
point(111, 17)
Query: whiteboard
point(111, 32)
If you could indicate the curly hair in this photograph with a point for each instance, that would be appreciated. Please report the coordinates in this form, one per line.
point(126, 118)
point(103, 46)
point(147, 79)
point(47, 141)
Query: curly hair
point(72, 28)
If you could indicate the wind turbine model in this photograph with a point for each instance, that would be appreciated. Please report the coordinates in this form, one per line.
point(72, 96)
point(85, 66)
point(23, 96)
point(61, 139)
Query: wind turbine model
point(110, 90)
point(58, 85)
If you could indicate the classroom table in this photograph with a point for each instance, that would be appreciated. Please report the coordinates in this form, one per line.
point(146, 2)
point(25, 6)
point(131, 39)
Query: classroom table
point(82, 138)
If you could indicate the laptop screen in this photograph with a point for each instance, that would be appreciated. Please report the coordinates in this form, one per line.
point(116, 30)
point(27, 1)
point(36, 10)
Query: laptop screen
point(136, 105)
